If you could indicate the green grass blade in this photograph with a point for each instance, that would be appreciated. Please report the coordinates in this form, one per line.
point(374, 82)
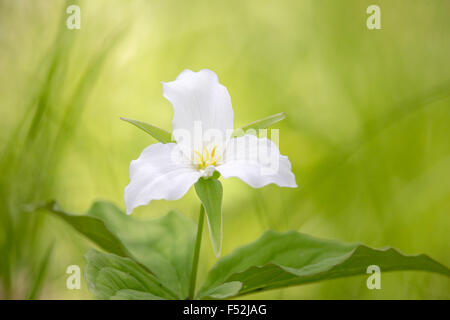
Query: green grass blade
point(39, 278)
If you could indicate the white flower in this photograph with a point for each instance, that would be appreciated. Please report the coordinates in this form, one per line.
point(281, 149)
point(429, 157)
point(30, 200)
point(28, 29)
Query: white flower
point(202, 128)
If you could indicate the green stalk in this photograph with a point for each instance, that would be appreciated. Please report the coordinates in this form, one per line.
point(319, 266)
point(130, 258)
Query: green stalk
point(198, 242)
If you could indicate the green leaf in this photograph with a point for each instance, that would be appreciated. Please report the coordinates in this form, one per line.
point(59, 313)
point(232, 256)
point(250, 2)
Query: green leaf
point(93, 228)
point(159, 134)
point(210, 193)
point(224, 290)
point(278, 260)
point(128, 294)
point(163, 246)
point(112, 277)
point(259, 124)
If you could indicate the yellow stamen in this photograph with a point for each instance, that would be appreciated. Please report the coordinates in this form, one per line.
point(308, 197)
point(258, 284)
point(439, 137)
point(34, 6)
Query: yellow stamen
point(199, 154)
point(206, 159)
point(207, 153)
point(215, 161)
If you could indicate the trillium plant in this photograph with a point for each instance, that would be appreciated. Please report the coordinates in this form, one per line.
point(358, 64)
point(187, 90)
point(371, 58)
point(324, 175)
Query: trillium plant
point(158, 259)
point(204, 148)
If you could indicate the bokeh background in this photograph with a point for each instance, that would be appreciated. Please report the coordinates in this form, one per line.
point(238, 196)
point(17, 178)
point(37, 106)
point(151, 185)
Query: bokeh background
point(367, 127)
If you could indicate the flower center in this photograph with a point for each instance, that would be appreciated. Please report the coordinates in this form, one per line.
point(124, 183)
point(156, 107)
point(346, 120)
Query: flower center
point(205, 158)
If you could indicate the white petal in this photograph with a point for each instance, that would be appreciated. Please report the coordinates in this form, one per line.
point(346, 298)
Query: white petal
point(257, 162)
point(198, 99)
point(160, 172)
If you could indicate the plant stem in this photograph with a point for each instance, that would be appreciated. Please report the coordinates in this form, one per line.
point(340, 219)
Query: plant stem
point(198, 242)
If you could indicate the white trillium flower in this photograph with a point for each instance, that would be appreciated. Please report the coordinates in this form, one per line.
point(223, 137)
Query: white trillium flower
point(202, 128)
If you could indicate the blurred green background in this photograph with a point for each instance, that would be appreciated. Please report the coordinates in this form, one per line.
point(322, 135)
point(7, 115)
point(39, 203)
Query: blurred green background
point(367, 128)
